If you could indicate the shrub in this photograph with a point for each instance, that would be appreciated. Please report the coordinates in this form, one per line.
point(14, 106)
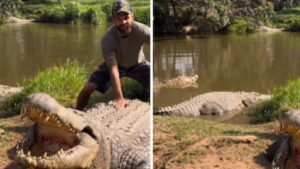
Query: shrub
point(142, 15)
point(284, 98)
point(54, 15)
point(294, 25)
point(106, 8)
point(94, 16)
point(238, 26)
point(72, 13)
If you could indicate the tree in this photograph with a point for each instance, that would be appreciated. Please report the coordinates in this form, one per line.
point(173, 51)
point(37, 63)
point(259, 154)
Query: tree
point(8, 7)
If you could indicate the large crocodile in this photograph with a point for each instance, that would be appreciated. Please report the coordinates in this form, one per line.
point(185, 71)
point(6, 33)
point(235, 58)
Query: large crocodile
point(104, 137)
point(285, 151)
point(213, 103)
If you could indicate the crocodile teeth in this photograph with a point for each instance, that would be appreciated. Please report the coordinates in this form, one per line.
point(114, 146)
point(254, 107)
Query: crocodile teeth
point(47, 118)
point(45, 154)
point(29, 153)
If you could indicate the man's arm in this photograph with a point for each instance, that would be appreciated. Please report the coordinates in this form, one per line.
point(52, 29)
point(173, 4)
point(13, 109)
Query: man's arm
point(116, 85)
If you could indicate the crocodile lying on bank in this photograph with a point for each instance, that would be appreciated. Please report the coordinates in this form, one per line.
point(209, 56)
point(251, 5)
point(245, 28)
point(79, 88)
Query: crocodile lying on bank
point(213, 103)
point(178, 82)
point(103, 137)
point(285, 151)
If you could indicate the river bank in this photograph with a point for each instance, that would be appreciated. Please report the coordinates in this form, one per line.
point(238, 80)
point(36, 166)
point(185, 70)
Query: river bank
point(231, 16)
point(78, 12)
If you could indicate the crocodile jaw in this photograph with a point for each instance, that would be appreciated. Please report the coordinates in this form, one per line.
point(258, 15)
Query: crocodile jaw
point(58, 139)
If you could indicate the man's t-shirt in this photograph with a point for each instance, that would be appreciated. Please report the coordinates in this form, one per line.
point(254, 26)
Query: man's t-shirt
point(127, 51)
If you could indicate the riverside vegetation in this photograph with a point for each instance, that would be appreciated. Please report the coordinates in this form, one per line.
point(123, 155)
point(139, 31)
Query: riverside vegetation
point(75, 12)
point(239, 16)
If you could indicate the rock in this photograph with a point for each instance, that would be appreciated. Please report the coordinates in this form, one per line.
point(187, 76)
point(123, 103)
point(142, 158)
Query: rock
point(14, 20)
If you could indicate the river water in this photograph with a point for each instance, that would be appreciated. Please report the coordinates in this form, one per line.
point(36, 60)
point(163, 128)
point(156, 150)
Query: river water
point(26, 49)
point(255, 62)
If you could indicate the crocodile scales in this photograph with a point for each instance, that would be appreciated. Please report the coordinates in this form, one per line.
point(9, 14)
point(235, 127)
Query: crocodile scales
point(213, 103)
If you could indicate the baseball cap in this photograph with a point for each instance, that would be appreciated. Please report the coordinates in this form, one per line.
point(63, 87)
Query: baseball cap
point(121, 6)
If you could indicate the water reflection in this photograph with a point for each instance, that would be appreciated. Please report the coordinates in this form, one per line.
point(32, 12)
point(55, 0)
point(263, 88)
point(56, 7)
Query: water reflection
point(257, 62)
point(25, 49)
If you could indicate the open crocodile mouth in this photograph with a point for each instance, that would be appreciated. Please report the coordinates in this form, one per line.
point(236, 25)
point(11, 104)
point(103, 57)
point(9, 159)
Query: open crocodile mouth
point(54, 141)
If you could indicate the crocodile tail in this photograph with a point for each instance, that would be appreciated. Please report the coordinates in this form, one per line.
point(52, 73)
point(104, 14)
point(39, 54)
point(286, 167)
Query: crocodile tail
point(161, 111)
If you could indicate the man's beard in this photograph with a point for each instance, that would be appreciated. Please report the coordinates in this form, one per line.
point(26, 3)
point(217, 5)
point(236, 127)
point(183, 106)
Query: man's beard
point(124, 30)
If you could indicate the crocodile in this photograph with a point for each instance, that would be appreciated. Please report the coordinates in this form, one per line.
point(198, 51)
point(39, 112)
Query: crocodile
point(285, 151)
point(103, 137)
point(213, 103)
point(178, 82)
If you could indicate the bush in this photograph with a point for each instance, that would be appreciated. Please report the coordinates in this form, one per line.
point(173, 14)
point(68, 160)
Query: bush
point(238, 26)
point(94, 16)
point(63, 82)
point(55, 15)
point(142, 15)
point(8, 7)
point(294, 25)
point(106, 8)
point(72, 13)
point(284, 98)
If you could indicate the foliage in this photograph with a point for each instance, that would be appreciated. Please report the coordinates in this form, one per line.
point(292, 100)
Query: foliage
point(142, 15)
point(208, 16)
point(288, 19)
point(94, 16)
point(8, 7)
point(63, 82)
point(79, 11)
point(240, 26)
point(284, 98)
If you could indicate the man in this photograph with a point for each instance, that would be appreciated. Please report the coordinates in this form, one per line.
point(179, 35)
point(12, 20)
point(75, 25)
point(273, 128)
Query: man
point(122, 48)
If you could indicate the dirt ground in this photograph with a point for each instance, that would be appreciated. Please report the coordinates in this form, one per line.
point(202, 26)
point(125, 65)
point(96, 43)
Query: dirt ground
point(176, 148)
point(12, 130)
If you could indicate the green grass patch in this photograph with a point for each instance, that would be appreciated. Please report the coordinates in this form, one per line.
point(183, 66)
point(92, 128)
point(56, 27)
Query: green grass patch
point(63, 82)
point(240, 26)
point(284, 98)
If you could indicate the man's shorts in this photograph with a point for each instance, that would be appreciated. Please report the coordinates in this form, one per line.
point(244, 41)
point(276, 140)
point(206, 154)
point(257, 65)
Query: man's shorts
point(139, 72)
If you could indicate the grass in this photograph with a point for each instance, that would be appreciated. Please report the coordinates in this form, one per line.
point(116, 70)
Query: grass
point(79, 11)
point(63, 82)
point(284, 98)
point(240, 26)
point(4, 136)
point(288, 19)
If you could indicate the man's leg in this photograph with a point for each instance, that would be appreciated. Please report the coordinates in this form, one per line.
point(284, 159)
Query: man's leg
point(84, 95)
point(141, 73)
point(99, 80)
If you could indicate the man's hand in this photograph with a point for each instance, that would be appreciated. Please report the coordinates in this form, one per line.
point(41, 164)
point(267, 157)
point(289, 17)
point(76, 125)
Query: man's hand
point(120, 103)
